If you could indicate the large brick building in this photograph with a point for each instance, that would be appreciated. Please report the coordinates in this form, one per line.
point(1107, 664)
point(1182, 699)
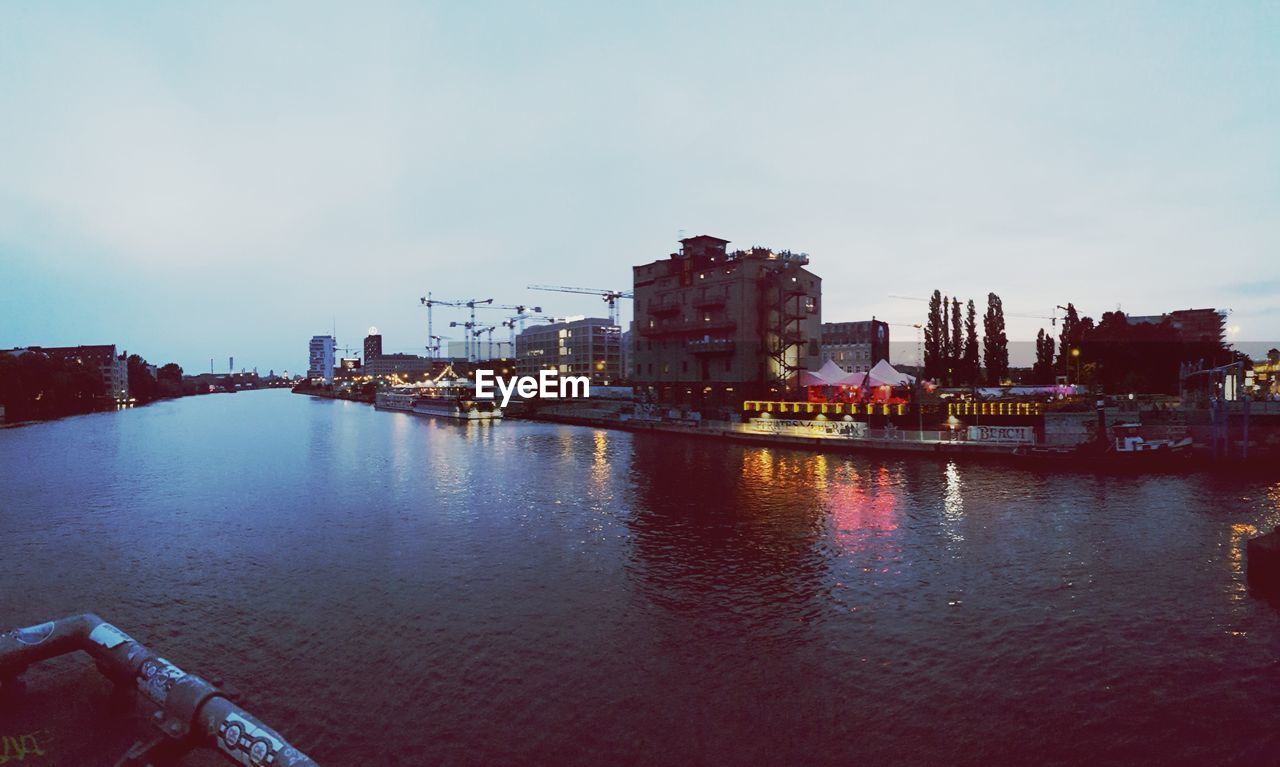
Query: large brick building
point(714, 327)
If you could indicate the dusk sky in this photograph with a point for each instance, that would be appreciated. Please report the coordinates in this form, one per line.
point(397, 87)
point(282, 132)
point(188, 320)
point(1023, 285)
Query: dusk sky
point(226, 179)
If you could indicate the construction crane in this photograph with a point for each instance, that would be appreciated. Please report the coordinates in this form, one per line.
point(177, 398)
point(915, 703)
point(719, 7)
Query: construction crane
point(470, 303)
point(521, 312)
point(610, 297)
point(476, 334)
point(433, 341)
point(518, 320)
point(466, 336)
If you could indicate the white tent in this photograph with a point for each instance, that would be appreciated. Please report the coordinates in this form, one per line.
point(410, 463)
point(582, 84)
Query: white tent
point(884, 374)
point(830, 374)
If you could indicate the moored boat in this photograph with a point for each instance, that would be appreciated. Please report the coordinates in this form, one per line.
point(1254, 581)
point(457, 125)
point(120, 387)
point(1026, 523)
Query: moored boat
point(1127, 450)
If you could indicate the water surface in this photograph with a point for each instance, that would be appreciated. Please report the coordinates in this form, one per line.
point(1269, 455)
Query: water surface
point(391, 590)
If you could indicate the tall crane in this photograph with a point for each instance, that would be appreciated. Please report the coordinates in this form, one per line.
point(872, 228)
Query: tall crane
point(433, 340)
point(519, 320)
point(470, 303)
point(610, 297)
point(466, 336)
point(520, 310)
point(476, 333)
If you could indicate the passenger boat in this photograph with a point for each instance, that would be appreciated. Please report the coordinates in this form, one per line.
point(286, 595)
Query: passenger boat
point(448, 395)
point(396, 398)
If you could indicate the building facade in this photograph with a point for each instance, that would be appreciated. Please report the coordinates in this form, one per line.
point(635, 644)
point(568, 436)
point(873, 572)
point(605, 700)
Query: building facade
point(102, 358)
point(320, 355)
point(372, 345)
point(590, 346)
point(714, 327)
point(1192, 325)
point(855, 346)
point(408, 367)
point(480, 349)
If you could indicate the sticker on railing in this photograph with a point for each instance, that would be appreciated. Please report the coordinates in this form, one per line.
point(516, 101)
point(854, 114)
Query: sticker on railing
point(34, 635)
point(108, 636)
point(157, 677)
point(246, 742)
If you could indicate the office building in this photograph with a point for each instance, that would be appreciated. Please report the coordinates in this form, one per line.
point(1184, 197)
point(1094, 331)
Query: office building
point(407, 367)
point(590, 346)
point(320, 351)
point(372, 345)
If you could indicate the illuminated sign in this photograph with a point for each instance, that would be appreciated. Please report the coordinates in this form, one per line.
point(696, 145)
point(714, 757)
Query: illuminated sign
point(1002, 434)
point(824, 429)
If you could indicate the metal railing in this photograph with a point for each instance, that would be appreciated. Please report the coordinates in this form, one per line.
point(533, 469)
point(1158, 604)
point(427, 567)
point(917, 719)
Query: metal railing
point(190, 712)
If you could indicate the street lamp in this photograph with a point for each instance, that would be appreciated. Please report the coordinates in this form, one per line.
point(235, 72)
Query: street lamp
point(1075, 353)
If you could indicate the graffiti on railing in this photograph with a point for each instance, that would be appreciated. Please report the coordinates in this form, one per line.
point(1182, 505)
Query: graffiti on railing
point(17, 748)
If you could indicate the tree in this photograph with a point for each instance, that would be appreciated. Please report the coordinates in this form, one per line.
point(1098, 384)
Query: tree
point(1043, 370)
point(1069, 331)
point(171, 372)
point(957, 346)
point(34, 386)
point(995, 344)
point(142, 386)
point(934, 337)
point(969, 365)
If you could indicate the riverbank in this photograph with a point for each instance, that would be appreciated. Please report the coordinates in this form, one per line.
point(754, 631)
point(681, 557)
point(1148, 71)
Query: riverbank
point(621, 416)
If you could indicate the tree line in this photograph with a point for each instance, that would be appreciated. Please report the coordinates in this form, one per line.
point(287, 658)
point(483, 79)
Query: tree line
point(1115, 354)
point(951, 350)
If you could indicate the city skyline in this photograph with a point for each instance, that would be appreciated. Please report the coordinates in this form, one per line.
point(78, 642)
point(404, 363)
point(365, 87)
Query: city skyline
point(230, 181)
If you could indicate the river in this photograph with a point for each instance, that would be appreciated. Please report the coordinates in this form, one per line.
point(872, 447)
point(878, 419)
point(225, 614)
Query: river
point(391, 590)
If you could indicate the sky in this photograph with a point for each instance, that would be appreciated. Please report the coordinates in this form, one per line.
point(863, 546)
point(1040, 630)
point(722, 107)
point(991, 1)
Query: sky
point(205, 180)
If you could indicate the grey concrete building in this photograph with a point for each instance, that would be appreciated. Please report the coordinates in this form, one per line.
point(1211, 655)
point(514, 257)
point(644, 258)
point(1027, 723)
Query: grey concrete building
point(590, 346)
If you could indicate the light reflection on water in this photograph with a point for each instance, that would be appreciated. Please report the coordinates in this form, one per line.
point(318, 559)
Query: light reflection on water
point(531, 593)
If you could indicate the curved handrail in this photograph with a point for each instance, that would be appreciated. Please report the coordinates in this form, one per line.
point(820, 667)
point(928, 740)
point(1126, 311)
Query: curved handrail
point(191, 710)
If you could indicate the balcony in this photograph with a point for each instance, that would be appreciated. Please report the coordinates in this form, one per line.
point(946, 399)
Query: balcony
point(689, 326)
point(664, 308)
point(709, 301)
point(710, 346)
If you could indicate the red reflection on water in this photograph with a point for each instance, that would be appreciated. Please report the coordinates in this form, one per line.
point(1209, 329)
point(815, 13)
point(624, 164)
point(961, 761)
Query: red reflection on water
point(861, 508)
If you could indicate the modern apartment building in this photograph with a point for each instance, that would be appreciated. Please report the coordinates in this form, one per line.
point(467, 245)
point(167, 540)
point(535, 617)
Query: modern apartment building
point(855, 346)
point(590, 346)
point(714, 327)
point(320, 355)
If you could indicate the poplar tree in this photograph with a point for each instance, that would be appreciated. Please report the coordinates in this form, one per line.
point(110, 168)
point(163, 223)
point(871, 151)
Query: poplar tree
point(995, 344)
point(955, 374)
point(1044, 358)
point(934, 334)
point(1067, 338)
point(970, 365)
